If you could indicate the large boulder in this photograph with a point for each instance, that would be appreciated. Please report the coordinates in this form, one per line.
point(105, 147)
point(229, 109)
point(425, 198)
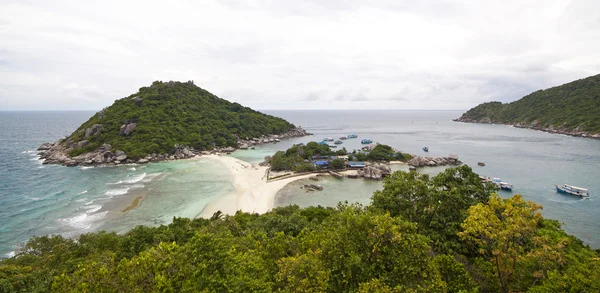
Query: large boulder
point(82, 143)
point(45, 146)
point(127, 129)
point(119, 153)
point(94, 130)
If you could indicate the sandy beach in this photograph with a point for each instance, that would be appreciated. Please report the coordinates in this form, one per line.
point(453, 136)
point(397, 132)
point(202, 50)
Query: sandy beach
point(253, 193)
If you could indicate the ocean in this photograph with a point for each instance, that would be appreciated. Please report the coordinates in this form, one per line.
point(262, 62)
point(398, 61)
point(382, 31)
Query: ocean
point(38, 199)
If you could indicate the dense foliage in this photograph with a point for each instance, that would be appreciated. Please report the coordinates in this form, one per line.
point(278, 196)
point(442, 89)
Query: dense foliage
point(572, 106)
point(455, 238)
point(297, 157)
point(174, 113)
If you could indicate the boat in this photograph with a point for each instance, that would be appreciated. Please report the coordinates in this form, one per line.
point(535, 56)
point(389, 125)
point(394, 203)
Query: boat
point(322, 143)
point(366, 141)
point(343, 137)
point(333, 146)
point(338, 142)
point(573, 190)
point(353, 135)
point(328, 139)
point(425, 149)
point(502, 185)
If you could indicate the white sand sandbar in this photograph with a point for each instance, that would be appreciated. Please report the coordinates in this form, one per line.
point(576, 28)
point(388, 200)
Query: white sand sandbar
point(253, 193)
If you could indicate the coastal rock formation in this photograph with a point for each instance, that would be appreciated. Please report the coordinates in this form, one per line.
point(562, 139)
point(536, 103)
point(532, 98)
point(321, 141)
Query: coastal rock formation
point(296, 132)
point(433, 161)
point(312, 187)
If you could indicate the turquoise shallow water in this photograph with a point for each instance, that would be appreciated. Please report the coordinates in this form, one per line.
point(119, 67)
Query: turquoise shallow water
point(36, 199)
point(532, 161)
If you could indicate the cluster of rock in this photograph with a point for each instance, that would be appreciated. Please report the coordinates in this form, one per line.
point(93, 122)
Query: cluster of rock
point(433, 161)
point(58, 152)
point(535, 125)
point(557, 130)
point(273, 138)
point(313, 187)
point(374, 171)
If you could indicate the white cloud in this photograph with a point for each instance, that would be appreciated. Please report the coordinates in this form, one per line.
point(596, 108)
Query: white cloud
point(267, 54)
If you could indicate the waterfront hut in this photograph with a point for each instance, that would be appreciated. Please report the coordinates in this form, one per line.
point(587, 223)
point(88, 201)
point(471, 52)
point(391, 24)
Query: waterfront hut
point(322, 164)
point(356, 165)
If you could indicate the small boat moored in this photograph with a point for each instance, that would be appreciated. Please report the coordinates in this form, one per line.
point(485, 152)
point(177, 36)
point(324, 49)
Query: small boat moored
point(573, 190)
point(425, 149)
point(338, 142)
point(366, 141)
point(353, 135)
point(502, 185)
point(328, 139)
point(343, 137)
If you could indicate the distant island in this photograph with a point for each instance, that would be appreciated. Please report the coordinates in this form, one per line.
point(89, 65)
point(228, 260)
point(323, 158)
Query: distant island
point(571, 109)
point(165, 121)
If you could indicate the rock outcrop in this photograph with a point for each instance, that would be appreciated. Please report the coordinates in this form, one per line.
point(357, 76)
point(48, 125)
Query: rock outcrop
point(433, 161)
point(58, 153)
point(127, 129)
point(94, 130)
point(274, 138)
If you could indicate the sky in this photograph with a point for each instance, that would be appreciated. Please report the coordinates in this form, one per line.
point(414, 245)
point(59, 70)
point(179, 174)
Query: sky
point(276, 54)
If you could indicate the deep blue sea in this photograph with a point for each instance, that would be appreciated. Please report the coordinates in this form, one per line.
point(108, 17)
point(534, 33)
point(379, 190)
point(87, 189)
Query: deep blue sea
point(38, 199)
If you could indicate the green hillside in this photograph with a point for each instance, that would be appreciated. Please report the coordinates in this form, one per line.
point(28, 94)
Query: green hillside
point(166, 114)
point(573, 107)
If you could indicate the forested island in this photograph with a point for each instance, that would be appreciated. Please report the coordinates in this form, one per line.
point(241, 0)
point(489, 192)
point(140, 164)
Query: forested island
point(572, 109)
point(167, 120)
point(447, 233)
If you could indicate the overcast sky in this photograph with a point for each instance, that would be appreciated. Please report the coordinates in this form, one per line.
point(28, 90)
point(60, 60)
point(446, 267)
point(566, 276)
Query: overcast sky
point(325, 54)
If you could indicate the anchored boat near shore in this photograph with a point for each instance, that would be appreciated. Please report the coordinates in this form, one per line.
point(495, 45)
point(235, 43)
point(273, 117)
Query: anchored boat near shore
point(572, 190)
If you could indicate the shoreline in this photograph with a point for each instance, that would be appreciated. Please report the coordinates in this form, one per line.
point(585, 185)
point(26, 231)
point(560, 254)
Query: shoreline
point(546, 130)
point(253, 193)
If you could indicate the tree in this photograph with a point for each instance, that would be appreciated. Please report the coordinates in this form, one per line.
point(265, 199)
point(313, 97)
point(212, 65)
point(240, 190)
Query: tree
point(502, 229)
point(337, 164)
point(439, 204)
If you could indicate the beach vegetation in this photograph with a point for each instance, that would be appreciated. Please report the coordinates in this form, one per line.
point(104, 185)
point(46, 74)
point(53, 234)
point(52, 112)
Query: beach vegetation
point(446, 233)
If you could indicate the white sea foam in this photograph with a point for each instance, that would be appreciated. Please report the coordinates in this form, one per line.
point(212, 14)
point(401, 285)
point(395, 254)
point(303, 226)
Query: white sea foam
point(116, 191)
point(83, 221)
point(86, 167)
point(85, 191)
point(92, 208)
point(131, 169)
point(81, 199)
point(10, 254)
point(135, 178)
point(137, 186)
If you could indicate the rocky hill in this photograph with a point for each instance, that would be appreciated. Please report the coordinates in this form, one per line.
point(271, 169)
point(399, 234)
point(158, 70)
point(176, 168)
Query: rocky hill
point(572, 109)
point(167, 120)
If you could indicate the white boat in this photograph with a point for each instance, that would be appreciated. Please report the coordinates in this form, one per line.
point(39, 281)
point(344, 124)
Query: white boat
point(502, 185)
point(573, 190)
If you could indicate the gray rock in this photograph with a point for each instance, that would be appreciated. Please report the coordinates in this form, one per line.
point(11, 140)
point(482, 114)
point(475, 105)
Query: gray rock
point(142, 161)
point(45, 146)
point(82, 143)
point(117, 162)
point(94, 130)
point(126, 129)
point(119, 153)
point(121, 158)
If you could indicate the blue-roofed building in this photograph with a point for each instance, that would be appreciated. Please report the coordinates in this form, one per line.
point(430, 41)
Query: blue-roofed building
point(322, 164)
point(320, 158)
point(356, 165)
